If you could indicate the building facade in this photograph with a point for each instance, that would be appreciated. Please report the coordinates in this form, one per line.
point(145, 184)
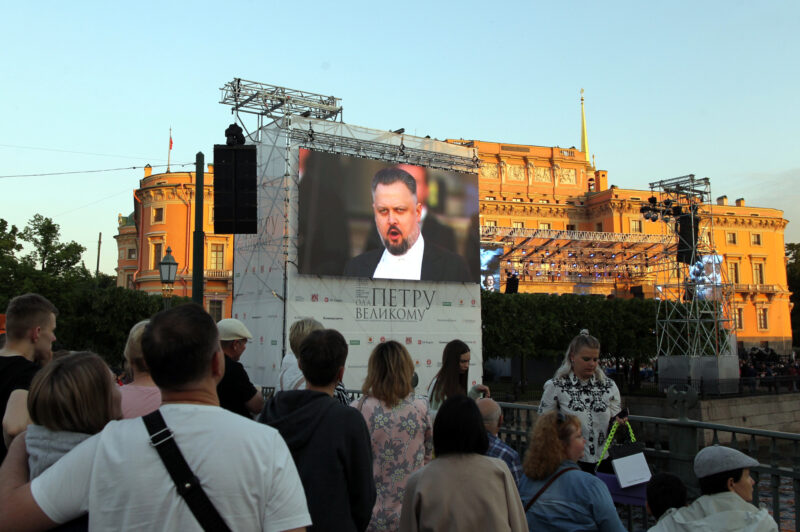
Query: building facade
point(562, 229)
point(163, 217)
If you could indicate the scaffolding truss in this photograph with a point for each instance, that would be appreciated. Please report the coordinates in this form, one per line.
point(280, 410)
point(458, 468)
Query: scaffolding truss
point(584, 257)
point(275, 102)
point(694, 313)
point(387, 151)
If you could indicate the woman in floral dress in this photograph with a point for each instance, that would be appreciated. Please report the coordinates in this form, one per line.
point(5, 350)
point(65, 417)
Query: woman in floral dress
point(400, 428)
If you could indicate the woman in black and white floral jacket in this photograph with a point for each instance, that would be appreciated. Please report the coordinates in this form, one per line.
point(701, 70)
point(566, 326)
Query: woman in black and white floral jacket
point(579, 387)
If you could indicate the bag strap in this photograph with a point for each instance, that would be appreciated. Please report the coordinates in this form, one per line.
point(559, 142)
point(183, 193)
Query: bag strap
point(552, 479)
point(188, 485)
point(610, 438)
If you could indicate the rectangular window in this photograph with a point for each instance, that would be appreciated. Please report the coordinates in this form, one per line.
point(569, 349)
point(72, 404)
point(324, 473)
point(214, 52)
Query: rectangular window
point(758, 273)
point(755, 239)
point(216, 257)
point(518, 225)
point(730, 238)
point(158, 215)
point(636, 226)
point(490, 198)
point(490, 223)
point(763, 323)
point(129, 281)
point(131, 253)
point(598, 227)
point(215, 309)
point(733, 272)
point(739, 317)
point(570, 227)
point(516, 200)
point(157, 255)
point(122, 253)
point(544, 225)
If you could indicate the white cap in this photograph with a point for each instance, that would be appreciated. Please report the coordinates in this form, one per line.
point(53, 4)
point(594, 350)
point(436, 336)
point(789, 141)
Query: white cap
point(231, 329)
point(717, 458)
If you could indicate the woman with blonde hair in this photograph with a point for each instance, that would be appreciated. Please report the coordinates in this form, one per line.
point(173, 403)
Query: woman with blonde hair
point(580, 388)
point(141, 396)
point(71, 398)
point(399, 428)
point(557, 495)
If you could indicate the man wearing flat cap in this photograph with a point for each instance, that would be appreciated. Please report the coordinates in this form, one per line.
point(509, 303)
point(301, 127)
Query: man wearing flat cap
point(726, 503)
point(236, 392)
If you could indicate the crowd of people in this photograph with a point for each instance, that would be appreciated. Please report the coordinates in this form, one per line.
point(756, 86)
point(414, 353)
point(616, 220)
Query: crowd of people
point(178, 447)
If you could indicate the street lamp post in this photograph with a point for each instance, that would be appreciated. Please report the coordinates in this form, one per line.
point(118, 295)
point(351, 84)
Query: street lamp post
point(167, 269)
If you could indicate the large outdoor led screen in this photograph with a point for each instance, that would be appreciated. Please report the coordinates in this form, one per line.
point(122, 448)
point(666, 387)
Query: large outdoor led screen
point(346, 229)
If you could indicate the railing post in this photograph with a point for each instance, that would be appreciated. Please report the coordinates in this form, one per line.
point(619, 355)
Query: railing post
point(683, 441)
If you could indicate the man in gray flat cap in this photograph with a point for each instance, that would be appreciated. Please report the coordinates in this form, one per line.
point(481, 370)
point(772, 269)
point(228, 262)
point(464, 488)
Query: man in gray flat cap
point(236, 392)
point(726, 503)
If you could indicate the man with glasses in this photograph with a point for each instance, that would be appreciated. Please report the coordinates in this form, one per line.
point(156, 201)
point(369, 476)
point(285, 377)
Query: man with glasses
point(236, 392)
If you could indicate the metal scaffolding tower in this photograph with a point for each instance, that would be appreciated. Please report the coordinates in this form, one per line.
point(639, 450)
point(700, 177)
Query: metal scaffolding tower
point(695, 312)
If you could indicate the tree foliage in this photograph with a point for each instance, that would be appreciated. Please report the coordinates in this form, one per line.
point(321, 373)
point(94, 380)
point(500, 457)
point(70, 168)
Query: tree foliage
point(94, 314)
point(53, 256)
point(541, 325)
point(793, 282)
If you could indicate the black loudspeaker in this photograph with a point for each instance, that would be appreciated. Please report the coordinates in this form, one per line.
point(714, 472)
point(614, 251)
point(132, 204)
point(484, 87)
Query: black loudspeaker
point(688, 230)
point(512, 284)
point(235, 197)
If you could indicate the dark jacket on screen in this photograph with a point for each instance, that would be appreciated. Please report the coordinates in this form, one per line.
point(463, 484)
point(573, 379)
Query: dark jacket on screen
point(331, 448)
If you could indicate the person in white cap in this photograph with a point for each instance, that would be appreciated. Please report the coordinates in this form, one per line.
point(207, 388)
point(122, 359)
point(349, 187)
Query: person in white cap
point(236, 392)
point(726, 503)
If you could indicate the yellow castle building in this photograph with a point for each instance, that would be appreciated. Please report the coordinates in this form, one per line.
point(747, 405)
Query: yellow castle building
point(163, 217)
point(562, 229)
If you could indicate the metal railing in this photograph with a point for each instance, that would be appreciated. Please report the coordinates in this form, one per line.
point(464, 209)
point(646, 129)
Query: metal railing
point(671, 445)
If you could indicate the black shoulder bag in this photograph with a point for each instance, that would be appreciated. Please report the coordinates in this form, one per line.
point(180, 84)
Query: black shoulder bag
point(188, 485)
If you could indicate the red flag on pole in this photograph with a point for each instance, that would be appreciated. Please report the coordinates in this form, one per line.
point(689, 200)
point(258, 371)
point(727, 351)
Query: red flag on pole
point(170, 141)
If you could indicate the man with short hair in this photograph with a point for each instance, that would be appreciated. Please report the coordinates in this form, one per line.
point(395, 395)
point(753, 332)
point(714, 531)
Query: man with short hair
point(726, 503)
point(329, 442)
point(405, 254)
point(432, 229)
point(236, 392)
point(492, 420)
point(118, 477)
point(30, 326)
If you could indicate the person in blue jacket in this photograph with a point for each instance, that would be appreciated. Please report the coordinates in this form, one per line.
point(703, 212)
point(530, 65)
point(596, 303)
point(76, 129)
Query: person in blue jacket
point(556, 494)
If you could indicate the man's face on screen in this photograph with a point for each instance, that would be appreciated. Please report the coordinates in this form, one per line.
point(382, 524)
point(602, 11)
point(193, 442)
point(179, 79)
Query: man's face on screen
point(397, 216)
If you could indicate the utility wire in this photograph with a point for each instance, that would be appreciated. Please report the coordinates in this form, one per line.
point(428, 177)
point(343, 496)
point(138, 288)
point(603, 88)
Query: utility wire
point(92, 171)
point(77, 152)
point(126, 191)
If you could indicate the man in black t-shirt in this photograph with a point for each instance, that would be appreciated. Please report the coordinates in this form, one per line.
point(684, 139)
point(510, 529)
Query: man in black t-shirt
point(236, 392)
point(30, 326)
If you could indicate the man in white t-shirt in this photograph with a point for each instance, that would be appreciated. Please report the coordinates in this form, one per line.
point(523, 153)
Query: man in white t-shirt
point(117, 477)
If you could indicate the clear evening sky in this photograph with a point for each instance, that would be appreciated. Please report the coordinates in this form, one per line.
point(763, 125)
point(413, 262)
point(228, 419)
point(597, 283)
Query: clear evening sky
point(672, 88)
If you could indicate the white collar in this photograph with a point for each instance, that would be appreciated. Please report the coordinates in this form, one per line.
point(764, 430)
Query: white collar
point(406, 266)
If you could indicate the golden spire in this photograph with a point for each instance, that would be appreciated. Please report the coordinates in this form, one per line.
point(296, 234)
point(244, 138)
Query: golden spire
point(584, 136)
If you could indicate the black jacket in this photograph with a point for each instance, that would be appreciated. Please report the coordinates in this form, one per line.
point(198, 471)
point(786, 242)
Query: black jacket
point(438, 264)
point(331, 448)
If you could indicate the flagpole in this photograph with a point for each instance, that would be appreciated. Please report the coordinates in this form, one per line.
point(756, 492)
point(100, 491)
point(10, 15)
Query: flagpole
point(170, 148)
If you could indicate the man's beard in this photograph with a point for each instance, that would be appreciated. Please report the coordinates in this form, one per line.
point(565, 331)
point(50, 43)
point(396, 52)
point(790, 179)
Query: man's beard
point(396, 249)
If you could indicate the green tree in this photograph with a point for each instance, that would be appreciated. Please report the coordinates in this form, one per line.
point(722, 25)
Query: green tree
point(793, 282)
point(53, 256)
